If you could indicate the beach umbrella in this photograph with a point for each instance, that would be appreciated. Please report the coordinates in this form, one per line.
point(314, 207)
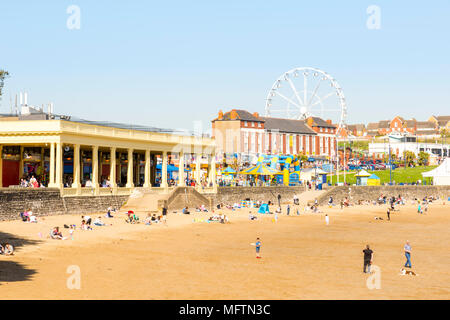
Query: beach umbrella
point(260, 170)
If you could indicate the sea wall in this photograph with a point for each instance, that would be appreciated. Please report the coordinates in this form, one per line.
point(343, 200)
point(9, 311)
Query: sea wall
point(231, 195)
point(46, 202)
point(373, 192)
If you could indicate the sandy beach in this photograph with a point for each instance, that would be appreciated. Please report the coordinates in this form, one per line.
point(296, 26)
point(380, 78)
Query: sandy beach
point(302, 257)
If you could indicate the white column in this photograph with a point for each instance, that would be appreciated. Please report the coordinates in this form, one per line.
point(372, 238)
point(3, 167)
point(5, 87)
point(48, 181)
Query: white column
point(112, 168)
point(164, 171)
point(130, 183)
point(181, 175)
point(147, 183)
point(51, 182)
point(94, 181)
point(76, 167)
point(59, 166)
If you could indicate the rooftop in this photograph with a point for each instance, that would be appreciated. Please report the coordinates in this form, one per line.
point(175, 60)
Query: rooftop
point(46, 116)
point(287, 125)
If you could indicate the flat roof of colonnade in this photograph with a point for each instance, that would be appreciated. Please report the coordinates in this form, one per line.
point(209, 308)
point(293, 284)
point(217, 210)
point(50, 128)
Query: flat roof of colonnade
point(105, 134)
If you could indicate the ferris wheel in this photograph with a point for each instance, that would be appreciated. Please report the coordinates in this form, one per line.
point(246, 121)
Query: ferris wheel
point(303, 92)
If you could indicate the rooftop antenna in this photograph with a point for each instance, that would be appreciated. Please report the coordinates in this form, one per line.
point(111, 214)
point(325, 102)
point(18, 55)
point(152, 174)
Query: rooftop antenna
point(15, 103)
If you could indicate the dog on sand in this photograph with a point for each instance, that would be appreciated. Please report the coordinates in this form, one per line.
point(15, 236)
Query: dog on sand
point(404, 272)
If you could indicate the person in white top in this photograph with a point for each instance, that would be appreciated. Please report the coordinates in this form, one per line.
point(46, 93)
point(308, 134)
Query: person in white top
point(33, 218)
point(98, 222)
point(327, 219)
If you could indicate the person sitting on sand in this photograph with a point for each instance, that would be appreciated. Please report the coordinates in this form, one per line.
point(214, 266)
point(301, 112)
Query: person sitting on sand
point(154, 219)
point(8, 250)
point(84, 226)
point(185, 210)
point(129, 218)
point(252, 217)
point(108, 214)
point(56, 234)
point(330, 201)
point(32, 218)
point(24, 216)
point(148, 220)
point(87, 220)
point(132, 217)
point(99, 222)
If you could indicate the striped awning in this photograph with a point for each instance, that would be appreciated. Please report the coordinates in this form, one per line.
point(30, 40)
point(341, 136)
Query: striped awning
point(260, 170)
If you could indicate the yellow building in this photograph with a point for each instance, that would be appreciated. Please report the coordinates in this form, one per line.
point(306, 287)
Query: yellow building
point(91, 158)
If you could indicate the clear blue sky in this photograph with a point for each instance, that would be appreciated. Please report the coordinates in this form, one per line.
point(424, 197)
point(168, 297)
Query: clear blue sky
point(169, 63)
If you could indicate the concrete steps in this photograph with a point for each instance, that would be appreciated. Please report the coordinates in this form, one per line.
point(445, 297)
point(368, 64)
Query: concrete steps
point(148, 200)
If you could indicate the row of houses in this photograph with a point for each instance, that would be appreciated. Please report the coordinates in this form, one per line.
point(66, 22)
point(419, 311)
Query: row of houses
point(248, 134)
point(432, 128)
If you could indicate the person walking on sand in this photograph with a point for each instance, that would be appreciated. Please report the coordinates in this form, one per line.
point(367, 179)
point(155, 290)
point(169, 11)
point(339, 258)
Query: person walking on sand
point(368, 256)
point(288, 209)
point(408, 249)
point(388, 214)
point(327, 219)
point(164, 215)
point(279, 200)
point(258, 248)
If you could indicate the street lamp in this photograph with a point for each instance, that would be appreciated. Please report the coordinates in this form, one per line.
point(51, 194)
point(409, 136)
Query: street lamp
point(390, 162)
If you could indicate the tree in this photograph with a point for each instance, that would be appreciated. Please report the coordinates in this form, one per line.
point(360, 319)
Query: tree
point(3, 75)
point(303, 158)
point(408, 157)
point(422, 158)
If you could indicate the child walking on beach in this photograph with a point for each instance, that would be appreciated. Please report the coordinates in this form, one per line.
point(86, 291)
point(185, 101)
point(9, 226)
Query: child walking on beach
point(258, 248)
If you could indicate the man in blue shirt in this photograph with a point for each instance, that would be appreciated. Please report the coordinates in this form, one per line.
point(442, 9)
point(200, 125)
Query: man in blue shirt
point(407, 248)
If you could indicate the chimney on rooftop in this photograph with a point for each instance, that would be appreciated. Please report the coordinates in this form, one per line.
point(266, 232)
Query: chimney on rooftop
point(220, 115)
point(256, 114)
point(329, 121)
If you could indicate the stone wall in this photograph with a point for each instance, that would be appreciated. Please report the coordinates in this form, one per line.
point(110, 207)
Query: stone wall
point(46, 202)
point(231, 195)
point(373, 192)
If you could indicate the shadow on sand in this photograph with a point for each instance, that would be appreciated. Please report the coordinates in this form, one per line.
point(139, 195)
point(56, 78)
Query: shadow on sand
point(11, 271)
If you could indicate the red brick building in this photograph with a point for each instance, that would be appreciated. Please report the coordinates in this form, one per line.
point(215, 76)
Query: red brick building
point(242, 132)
